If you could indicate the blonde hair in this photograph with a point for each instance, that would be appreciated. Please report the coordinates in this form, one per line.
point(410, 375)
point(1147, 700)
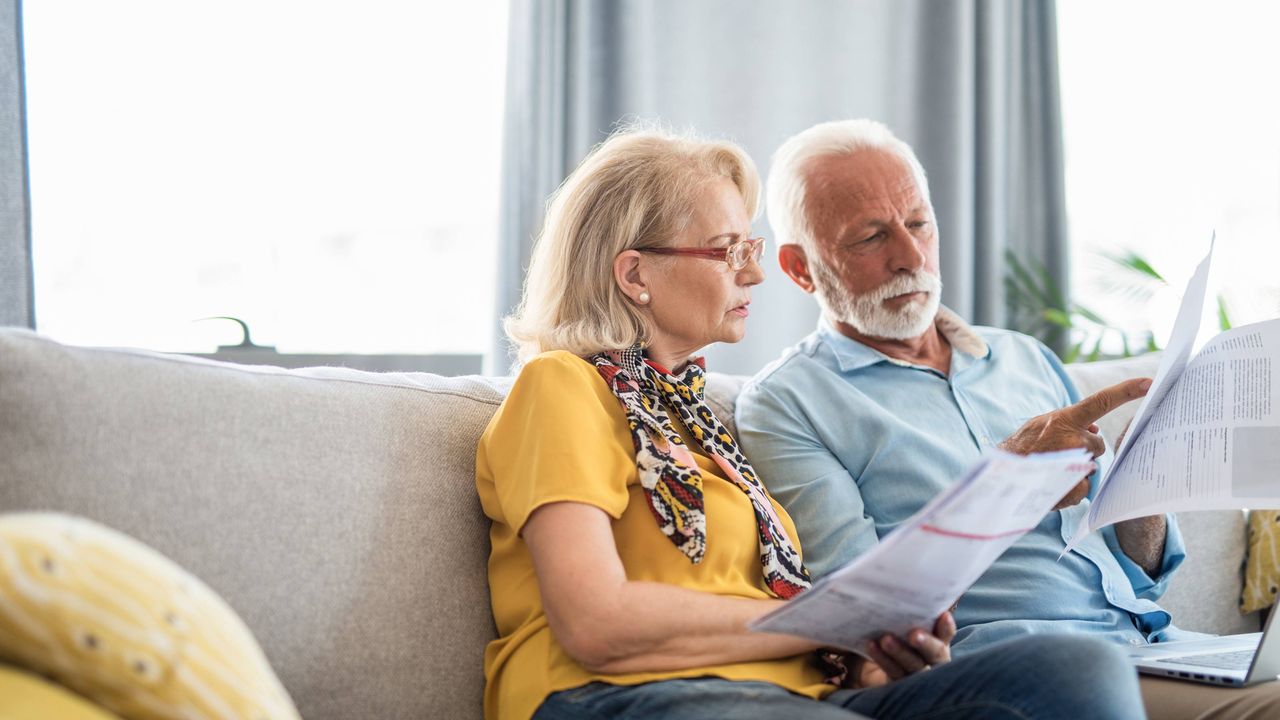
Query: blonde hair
point(635, 190)
point(789, 172)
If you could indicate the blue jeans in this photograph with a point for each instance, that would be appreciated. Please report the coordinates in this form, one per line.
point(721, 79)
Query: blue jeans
point(1045, 677)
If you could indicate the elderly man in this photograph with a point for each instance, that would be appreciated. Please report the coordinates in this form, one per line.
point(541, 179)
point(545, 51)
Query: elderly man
point(894, 396)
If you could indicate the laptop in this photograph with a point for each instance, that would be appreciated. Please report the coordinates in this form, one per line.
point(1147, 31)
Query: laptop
point(1231, 660)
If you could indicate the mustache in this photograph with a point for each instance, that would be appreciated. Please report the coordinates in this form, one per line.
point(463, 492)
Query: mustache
point(903, 284)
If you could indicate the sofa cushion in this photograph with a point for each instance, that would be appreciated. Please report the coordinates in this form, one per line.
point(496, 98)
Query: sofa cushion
point(722, 396)
point(335, 510)
point(30, 697)
point(124, 626)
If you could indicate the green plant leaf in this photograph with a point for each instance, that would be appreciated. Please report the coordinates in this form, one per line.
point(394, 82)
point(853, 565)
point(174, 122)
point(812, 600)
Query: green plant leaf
point(1128, 288)
point(1057, 317)
point(1096, 352)
point(1224, 320)
point(1136, 281)
point(1050, 287)
point(1024, 278)
point(1015, 296)
point(1134, 262)
point(1073, 352)
point(1089, 315)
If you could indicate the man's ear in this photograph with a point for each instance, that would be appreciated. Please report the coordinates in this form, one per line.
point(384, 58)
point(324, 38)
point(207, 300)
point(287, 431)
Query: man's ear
point(627, 273)
point(795, 264)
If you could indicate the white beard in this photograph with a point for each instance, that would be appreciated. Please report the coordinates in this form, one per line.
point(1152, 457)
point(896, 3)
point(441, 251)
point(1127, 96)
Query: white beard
point(868, 314)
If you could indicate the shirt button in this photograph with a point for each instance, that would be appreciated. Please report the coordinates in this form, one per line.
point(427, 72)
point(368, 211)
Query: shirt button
point(1136, 642)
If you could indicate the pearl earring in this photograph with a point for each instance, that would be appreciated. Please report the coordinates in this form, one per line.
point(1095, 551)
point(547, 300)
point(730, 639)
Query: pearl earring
point(644, 297)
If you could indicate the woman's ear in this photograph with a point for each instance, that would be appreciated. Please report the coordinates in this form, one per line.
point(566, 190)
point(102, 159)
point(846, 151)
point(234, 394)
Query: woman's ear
point(627, 273)
point(795, 264)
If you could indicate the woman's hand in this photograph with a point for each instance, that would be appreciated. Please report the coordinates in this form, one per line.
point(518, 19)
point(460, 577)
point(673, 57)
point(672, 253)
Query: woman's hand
point(893, 658)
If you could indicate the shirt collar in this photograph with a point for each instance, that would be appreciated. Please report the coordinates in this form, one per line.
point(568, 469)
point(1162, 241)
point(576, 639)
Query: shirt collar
point(853, 355)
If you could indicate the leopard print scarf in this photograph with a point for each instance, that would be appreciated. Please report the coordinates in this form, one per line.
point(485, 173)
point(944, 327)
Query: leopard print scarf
point(669, 474)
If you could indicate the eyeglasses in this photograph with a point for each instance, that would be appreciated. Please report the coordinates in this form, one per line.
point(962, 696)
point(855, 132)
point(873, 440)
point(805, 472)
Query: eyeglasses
point(736, 256)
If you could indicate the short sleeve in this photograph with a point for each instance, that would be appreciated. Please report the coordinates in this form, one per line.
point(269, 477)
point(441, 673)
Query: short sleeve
point(560, 436)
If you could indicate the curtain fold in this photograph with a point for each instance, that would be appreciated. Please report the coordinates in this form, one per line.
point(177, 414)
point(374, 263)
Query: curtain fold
point(16, 299)
point(987, 126)
point(972, 85)
point(561, 62)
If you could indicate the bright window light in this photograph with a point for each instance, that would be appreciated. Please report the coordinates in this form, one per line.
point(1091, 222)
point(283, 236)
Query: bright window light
point(1171, 110)
point(326, 171)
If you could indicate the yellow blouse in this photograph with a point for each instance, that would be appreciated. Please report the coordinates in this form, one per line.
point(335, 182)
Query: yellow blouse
point(561, 435)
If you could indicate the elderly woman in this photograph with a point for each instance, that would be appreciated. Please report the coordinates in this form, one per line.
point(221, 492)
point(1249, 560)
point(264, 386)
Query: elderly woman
point(631, 540)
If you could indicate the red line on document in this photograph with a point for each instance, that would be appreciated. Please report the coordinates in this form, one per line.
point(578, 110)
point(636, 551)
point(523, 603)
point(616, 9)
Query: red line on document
point(971, 536)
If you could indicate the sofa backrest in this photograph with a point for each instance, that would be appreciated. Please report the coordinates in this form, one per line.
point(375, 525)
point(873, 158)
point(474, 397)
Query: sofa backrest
point(335, 510)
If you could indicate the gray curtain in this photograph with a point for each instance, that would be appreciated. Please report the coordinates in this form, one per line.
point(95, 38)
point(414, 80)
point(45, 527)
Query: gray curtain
point(16, 304)
point(972, 85)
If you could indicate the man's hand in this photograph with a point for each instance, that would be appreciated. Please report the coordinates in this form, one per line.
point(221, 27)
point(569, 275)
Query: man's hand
point(1074, 426)
point(894, 658)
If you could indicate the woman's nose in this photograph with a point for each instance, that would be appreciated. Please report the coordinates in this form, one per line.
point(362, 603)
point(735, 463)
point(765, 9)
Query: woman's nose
point(752, 274)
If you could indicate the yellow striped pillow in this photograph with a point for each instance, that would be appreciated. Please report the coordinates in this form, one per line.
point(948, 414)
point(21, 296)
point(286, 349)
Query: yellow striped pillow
point(24, 696)
point(126, 627)
point(1262, 561)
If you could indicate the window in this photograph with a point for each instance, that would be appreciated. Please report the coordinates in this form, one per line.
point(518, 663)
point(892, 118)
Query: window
point(326, 171)
point(1170, 112)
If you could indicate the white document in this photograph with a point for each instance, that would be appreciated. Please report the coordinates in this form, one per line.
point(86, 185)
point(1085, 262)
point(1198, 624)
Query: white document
point(1207, 436)
point(1174, 360)
point(910, 577)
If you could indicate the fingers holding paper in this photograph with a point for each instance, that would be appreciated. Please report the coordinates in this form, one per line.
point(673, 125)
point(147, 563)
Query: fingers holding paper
point(1075, 426)
point(1077, 493)
point(893, 658)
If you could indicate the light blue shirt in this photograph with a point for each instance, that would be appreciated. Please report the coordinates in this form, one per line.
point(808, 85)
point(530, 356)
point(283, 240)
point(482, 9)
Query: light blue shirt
point(853, 443)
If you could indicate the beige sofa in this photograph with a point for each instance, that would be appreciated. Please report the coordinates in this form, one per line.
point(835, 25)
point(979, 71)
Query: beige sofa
point(336, 511)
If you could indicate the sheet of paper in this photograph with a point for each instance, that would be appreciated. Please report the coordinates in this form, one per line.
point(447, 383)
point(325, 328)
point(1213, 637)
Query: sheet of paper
point(923, 566)
point(1214, 440)
point(1173, 363)
point(1204, 438)
point(1174, 359)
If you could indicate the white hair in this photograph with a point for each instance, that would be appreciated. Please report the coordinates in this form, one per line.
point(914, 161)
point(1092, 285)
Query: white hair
point(789, 173)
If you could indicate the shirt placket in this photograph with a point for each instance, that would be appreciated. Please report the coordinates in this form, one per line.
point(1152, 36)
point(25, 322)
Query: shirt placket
point(979, 430)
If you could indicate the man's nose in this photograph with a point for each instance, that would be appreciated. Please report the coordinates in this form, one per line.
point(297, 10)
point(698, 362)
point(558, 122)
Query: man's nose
point(907, 252)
